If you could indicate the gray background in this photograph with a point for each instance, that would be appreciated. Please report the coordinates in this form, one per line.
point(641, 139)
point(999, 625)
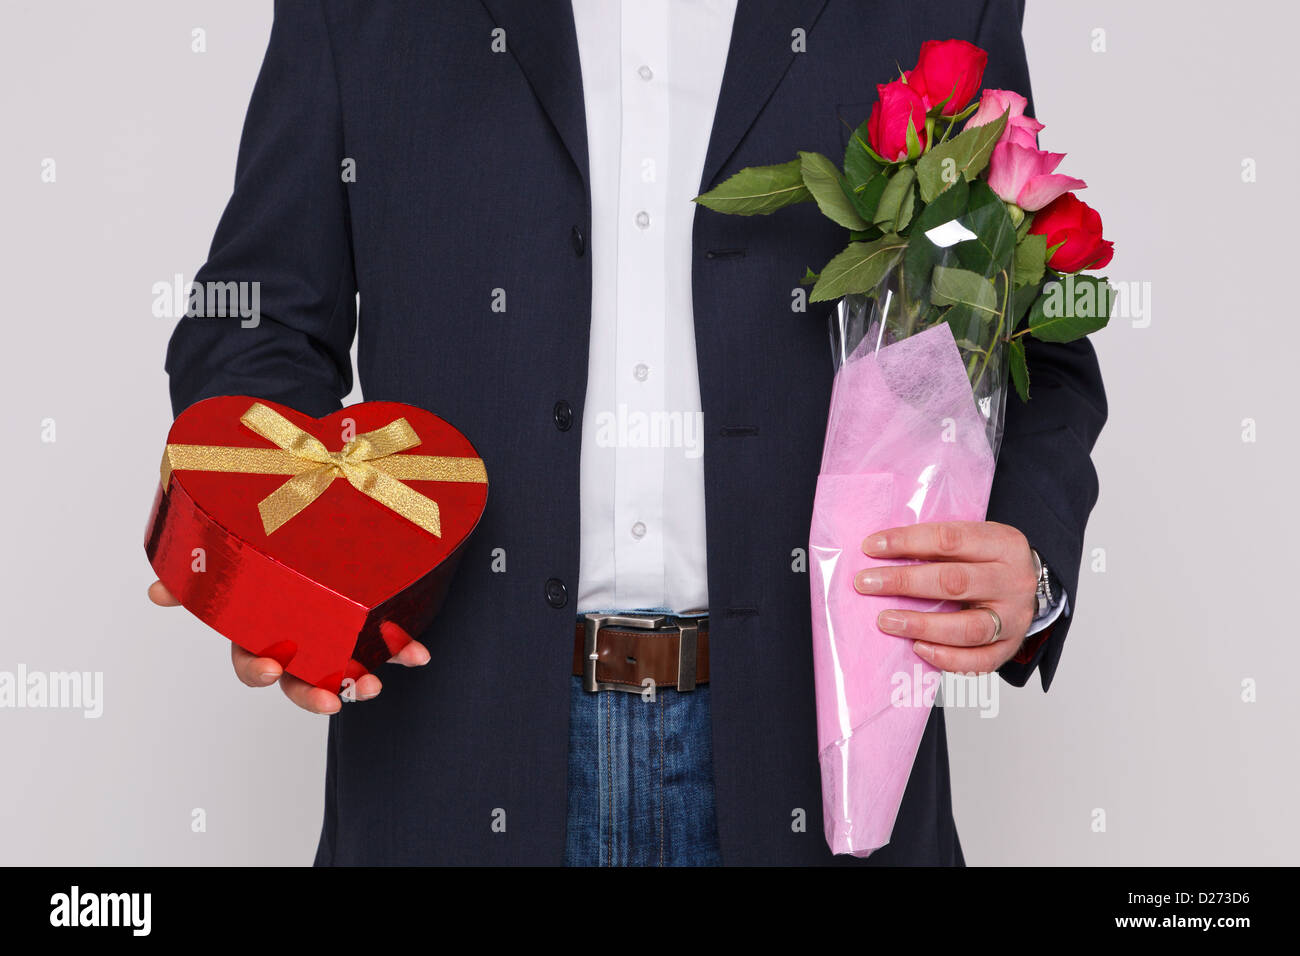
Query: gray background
point(1145, 720)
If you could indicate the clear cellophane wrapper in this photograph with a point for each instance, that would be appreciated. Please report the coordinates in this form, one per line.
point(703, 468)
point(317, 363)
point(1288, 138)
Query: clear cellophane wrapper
point(909, 439)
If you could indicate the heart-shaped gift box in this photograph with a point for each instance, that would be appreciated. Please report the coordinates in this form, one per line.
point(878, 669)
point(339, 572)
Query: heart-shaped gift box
point(322, 543)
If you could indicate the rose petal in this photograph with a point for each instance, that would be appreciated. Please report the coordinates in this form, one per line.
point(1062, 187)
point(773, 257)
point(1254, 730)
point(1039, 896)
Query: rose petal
point(993, 104)
point(1020, 136)
point(1012, 167)
point(1041, 190)
point(1107, 253)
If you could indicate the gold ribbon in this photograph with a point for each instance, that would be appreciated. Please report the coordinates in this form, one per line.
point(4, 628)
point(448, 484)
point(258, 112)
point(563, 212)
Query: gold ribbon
point(370, 462)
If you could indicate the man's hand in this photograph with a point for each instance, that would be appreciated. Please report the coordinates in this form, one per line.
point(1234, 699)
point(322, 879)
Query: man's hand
point(982, 563)
point(263, 671)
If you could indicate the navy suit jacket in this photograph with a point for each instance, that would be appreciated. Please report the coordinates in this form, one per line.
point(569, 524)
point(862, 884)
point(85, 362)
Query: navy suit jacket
point(471, 176)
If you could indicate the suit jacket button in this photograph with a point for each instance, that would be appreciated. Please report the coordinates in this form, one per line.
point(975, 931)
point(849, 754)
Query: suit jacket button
point(557, 595)
point(563, 413)
point(579, 242)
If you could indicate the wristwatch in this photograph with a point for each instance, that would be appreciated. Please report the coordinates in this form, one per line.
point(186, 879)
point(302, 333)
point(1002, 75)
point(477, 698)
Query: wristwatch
point(1044, 592)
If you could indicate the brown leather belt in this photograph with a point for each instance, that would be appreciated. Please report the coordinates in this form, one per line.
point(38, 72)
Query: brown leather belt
point(629, 651)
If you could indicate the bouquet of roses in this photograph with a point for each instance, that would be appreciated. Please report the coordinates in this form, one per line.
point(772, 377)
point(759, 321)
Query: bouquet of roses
point(961, 245)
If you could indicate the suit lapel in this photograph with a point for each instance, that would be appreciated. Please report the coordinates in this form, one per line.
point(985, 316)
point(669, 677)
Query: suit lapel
point(542, 39)
point(759, 57)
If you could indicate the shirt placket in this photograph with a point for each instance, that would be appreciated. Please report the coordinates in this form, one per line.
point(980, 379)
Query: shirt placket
point(640, 373)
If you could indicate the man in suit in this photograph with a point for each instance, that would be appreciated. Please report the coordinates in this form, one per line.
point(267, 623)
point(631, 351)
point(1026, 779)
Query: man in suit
point(517, 221)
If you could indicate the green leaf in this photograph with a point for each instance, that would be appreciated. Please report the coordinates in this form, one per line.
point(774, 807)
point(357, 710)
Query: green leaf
point(1019, 369)
point(906, 208)
point(968, 111)
point(858, 269)
point(866, 198)
point(861, 164)
point(968, 325)
point(947, 206)
point(1021, 299)
point(895, 202)
point(995, 237)
point(913, 140)
point(968, 152)
point(1022, 230)
point(922, 254)
point(861, 138)
point(865, 235)
point(758, 190)
point(865, 204)
point(960, 287)
point(1031, 260)
point(824, 182)
point(1071, 308)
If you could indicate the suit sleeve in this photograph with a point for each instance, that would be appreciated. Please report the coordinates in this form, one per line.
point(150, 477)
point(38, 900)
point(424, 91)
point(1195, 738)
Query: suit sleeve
point(1045, 483)
point(286, 227)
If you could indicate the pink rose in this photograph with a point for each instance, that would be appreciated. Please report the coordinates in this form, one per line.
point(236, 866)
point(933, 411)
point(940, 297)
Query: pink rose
point(1021, 129)
point(948, 72)
point(1022, 175)
point(896, 105)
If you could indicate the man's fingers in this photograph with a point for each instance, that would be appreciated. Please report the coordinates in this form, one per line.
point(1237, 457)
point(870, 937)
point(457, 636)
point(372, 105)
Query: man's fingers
point(264, 671)
point(938, 580)
point(309, 698)
point(410, 652)
point(943, 541)
point(365, 687)
point(962, 660)
point(253, 670)
point(972, 627)
point(413, 654)
point(159, 594)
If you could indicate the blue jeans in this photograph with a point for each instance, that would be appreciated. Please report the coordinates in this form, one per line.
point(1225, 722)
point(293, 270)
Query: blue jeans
point(640, 779)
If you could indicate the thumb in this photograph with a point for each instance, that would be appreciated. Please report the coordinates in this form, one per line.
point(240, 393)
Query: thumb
point(159, 594)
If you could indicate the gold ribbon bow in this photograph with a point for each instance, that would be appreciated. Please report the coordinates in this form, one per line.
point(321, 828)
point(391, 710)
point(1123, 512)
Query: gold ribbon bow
point(370, 463)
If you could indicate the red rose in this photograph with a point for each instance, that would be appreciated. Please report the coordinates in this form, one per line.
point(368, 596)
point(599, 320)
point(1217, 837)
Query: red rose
point(1071, 221)
point(897, 104)
point(950, 70)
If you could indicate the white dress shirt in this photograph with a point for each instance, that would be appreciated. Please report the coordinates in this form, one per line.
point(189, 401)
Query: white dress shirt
point(651, 75)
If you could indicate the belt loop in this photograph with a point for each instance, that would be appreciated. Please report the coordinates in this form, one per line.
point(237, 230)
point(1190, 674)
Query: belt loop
point(589, 655)
point(686, 655)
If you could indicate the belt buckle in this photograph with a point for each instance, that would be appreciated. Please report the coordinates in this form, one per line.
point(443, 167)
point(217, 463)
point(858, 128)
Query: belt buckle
point(688, 638)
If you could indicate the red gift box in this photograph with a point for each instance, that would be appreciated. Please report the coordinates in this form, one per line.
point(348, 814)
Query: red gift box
point(322, 543)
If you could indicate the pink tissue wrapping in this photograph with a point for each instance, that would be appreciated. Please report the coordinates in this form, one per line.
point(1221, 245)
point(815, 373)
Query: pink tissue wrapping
point(905, 443)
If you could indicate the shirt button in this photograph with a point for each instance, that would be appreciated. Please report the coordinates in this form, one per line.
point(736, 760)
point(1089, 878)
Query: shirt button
point(645, 72)
point(563, 413)
point(638, 530)
point(641, 372)
point(579, 242)
point(643, 220)
point(557, 595)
